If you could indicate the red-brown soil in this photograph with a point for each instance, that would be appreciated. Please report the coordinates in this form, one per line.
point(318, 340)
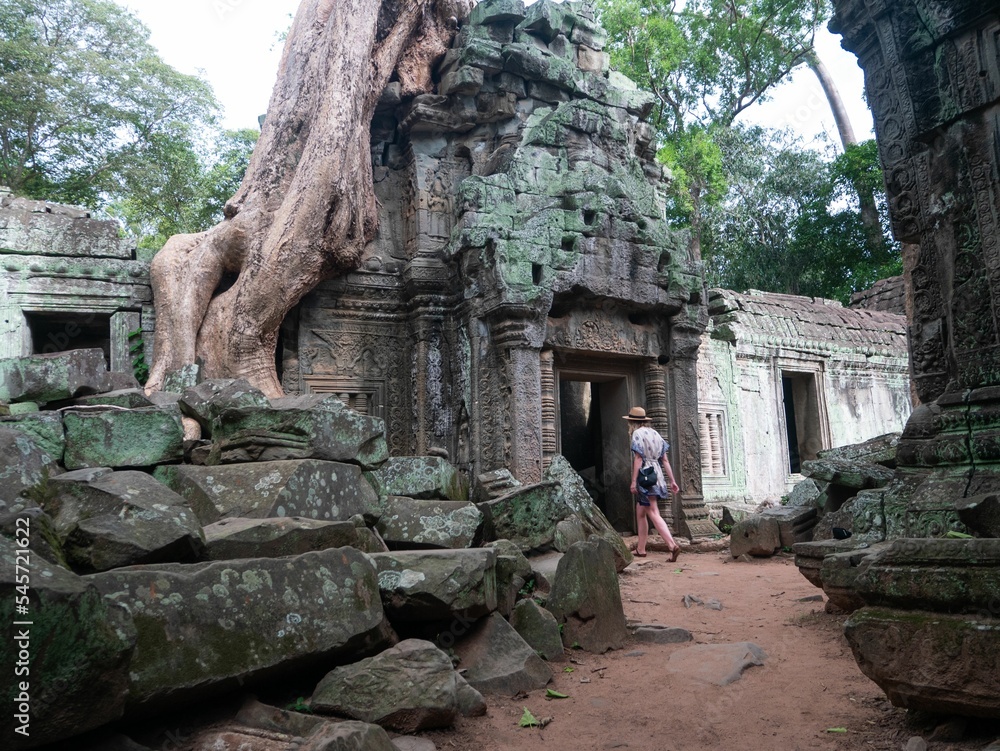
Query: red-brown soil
point(627, 699)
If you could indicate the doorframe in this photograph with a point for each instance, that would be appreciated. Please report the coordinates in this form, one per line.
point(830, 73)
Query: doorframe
point(591, 368)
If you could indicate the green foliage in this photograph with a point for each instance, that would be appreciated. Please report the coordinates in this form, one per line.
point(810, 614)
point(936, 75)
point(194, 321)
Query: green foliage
point(708, 60)
point(299, 705)
point(185, 191)
point(137, 351)
point(791, 221)
point(528, 720)
point(85, 99)
point(90, 115)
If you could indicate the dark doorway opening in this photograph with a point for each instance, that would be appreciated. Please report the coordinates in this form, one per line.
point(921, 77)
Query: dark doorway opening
point(59, 332)
point(594, 440)
point(803, 424)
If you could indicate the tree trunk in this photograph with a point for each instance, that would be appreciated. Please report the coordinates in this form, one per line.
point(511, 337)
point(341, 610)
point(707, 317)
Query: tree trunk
point(306, 207)
point(866, 199)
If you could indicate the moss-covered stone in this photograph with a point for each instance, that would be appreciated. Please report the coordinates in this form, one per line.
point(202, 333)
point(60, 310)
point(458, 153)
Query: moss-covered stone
point(50, 377)
point(203, 628)
point(45, 428)
point(73, 650)
point(123, 438)
point(406, 523)
point(298, 428)
point(437, 585)
point(320, 490)
point(939, 663)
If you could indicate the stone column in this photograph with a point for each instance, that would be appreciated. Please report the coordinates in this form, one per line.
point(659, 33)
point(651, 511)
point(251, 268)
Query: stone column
point(689, 511)
point(548, 383)
point(122, 324)
point(656, 409)
point(933, 81)
point(517, 342)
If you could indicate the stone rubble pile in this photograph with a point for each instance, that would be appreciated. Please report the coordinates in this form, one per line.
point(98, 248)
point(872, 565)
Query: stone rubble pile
point(280, 544)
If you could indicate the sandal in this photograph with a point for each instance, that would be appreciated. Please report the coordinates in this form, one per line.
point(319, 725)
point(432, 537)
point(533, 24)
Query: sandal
point(637, 554)
point(674, 553)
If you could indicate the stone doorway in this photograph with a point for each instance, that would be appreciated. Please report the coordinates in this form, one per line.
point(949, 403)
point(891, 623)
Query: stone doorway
point(804, 418)
point(594, 438)
point(59, 331)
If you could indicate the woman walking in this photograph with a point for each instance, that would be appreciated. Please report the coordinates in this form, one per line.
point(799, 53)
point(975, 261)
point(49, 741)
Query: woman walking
point(651, 473)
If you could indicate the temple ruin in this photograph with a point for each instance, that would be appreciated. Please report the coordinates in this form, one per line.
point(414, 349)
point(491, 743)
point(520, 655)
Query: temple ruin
point(524, 291)
point(782, 377)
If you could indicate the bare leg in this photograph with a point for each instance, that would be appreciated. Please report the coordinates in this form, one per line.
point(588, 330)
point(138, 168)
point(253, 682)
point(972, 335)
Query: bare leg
point(642, 523)
point(653, 512)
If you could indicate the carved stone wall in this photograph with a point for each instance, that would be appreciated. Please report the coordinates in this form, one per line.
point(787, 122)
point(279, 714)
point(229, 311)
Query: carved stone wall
point(932, 73)
point(848, 369)
point(522, 228)
point(67, 281)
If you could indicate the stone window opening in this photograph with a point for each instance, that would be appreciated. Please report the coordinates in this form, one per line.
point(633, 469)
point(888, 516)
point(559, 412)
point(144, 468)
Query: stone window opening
point(62, 331)
point(713, 444)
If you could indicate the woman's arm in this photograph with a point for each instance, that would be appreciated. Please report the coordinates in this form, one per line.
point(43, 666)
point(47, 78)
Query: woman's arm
point(669, 472)
point(636, 463)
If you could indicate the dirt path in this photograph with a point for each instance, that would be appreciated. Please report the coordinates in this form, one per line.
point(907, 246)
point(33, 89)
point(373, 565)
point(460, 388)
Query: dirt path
point(629, 699)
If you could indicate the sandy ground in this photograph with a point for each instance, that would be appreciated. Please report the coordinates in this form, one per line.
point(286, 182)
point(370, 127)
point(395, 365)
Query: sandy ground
point(631, 699)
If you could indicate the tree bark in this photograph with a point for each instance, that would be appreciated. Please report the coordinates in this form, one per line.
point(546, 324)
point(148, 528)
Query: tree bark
point(306, 207)
point(874, 237)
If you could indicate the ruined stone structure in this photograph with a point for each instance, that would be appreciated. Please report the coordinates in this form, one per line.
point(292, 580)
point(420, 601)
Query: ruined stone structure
point(933, 80)
point(524, 290)
point(67, 281)
point(782, 377)
point(927, 630)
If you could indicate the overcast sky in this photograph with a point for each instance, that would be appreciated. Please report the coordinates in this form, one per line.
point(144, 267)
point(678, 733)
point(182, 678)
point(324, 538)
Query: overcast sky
point(233, 45)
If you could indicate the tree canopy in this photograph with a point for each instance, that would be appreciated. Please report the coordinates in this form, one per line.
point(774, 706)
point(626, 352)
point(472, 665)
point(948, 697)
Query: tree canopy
point(763, 211)
point(89, 112)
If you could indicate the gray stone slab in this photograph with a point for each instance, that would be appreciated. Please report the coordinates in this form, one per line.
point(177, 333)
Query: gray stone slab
point(719, 664)
point(272, 538)
point(254, 619)
point(406, 523)
point(308, 488)
point(407, 688)
point(496, 660)
point(80, 680)
point(123, 438)
point(107, 520)
point(51, 377)
point(437, 585)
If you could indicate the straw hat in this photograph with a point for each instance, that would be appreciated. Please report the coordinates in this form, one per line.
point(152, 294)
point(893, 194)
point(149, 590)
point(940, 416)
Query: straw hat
point(637, 414)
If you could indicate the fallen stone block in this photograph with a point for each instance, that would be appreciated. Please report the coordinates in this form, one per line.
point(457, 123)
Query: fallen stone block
point(437, 585)
point(52, 377)
point(718, 664)
point(939, 663)
point(407, 523)
point(980, 513)
point(45, 429)
point(586, 600)
point(855, 475)
point(77, 648)
point(24, 465)
point(496, 660)
point(123, 437)
point(795, 523)
point(207, 400)
point(236, 537)
point(539, 628)
point(756, 535)
point(255, 619)
point(654, 633)
point(407, 688)
point(298, 428)
point(419, 477)
point(308, 488)
point(109, 519)
point(133, 398)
